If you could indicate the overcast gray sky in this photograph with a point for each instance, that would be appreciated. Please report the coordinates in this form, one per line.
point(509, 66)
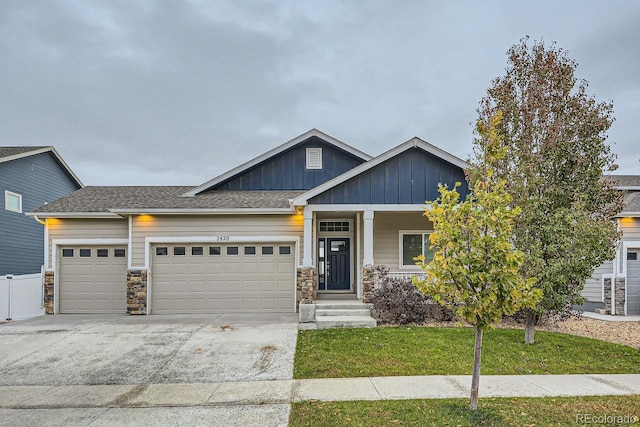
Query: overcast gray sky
point(177, 92)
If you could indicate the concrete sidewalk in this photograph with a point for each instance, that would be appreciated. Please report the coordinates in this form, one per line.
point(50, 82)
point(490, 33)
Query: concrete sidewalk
point(238, 403)
point(332, 389)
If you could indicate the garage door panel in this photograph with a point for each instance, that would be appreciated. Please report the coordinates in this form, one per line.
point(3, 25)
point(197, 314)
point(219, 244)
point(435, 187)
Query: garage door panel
point(222, 283)
point(92, 284)
point(268, 286)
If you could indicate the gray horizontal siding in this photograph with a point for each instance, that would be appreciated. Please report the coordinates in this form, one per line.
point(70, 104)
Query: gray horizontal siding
point(287, 170)
point(39, 179)
point(85, 229)
point(210, 226)
point(386, 235)
point(592, 290)
point(411, 177)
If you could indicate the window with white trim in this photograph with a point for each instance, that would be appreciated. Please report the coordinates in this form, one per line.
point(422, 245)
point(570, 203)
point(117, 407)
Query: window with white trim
point(413, 244)
point(12, 201)
point(314, 158)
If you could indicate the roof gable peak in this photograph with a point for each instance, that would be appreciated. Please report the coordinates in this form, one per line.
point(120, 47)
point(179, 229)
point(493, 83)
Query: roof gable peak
point(274, 152)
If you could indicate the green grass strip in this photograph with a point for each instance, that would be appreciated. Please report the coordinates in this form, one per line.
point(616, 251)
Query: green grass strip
point(340, 353)
point(551, 411)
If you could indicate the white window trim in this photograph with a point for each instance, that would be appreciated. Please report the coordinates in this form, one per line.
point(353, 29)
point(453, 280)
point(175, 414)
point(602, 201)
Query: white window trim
point(7, 195)
point(331, 233)
point(401, 233)
point(314, 158)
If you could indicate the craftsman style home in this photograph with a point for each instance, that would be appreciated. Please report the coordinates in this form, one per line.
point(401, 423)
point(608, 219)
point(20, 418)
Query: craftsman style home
point(309, 217)
point(305, 221)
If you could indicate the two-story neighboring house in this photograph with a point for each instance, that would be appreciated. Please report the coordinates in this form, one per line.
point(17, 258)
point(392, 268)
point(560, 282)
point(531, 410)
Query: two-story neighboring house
point(29, 178)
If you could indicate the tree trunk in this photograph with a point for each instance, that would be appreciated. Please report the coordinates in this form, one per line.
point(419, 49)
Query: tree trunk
point(530, 323)
point(475, 379)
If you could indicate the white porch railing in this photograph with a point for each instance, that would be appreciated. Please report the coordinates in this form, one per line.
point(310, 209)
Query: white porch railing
point(21, 296)
point(401, 275)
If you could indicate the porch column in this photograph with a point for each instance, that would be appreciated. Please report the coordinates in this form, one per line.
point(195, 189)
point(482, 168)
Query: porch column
point(307, 260)
point(367, 258)
point(307, 275)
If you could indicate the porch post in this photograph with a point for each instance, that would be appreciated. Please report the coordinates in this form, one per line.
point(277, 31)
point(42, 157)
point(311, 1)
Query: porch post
point(307, 275)
point(367, 258)
point(307, 260)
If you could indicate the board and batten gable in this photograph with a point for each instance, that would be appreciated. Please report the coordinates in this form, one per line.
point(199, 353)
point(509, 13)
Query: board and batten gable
point(287, 170)
point(209, 227)
point(39, 179)
point(411, 177)
point(79, 229)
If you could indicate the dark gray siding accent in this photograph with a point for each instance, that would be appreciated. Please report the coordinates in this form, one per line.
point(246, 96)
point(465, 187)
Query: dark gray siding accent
point(39, 179)
point(287, 170)
point(411, 177)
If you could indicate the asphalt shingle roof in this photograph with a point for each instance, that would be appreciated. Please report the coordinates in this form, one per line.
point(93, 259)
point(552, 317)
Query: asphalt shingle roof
point(631, 202)
point(12, 151)
point(627, 180)
point(103, 199)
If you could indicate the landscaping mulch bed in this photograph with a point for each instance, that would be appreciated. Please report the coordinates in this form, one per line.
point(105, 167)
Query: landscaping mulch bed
point(625, 333)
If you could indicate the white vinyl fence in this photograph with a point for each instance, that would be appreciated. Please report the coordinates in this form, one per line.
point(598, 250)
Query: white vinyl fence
point(21, 296)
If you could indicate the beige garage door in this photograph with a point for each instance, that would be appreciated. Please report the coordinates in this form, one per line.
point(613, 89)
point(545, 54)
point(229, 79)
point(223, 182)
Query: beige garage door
point(222, 278)
point(92, 279)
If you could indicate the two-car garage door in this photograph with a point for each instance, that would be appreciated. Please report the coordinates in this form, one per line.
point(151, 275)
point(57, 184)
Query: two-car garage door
point(222, 278)
point(185, 278)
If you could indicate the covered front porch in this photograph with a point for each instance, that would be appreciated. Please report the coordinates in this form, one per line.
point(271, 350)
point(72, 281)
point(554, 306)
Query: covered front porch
point(341, 248)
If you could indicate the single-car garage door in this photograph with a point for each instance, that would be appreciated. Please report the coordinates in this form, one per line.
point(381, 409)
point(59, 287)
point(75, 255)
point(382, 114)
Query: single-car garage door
point(223, 278)
point(92, 279)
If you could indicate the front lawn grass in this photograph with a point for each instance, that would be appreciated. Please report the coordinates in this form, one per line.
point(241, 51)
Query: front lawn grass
point(339, 353)
point(548, 411)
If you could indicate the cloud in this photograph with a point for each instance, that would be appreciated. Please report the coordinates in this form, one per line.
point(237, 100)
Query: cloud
point(166, 93)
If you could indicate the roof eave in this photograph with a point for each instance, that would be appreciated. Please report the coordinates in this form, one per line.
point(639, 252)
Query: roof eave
point(279, 149)
point(73, 214)
point(630, 214)
point(205, 211)
point(66, 166)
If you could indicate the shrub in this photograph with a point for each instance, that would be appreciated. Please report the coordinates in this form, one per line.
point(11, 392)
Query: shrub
point(399, 302)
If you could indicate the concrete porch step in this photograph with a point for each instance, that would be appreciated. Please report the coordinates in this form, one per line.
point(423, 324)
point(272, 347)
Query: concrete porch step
point(341, 305)
point(342, 312)
point(327, 322)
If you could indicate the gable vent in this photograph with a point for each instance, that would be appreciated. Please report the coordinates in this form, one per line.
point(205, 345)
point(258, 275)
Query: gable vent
point(314, 158)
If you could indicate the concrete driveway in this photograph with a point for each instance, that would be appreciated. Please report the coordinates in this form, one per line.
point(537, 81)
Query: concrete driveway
point(130, 370)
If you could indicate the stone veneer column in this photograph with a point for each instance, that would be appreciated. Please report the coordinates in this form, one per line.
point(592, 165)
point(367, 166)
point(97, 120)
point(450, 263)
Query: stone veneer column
point(137, 291)
point(306, 285)
point(368, 282)
point(48, 292)
point(619, 297)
